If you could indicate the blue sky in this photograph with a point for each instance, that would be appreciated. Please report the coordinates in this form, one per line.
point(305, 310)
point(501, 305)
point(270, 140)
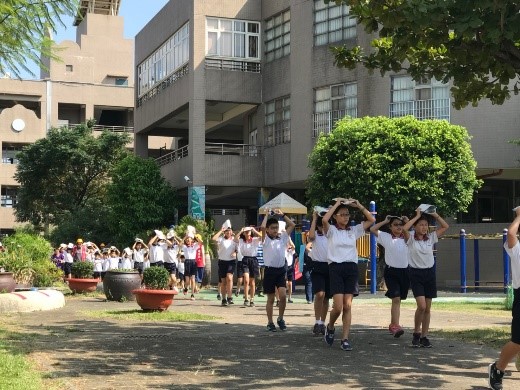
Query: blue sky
point(135, 13)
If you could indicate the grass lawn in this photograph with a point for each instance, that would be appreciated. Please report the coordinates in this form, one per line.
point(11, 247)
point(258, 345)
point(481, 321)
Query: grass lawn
point(153, 316)
point(494, 337)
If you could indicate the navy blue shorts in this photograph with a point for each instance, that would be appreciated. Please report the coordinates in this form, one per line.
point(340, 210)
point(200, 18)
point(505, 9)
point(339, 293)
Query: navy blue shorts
point(138, 265)
point(397, 282)
point(157, 264)
point(190, 269)
point(240, 269)
point(423, 282)
point(67, 268)
point(226, 267)
point(320, 278)
point(344, 278)
point(171, 268)
point(250, 265)
point(290, 273)
point(515, 325)
point(273, 278)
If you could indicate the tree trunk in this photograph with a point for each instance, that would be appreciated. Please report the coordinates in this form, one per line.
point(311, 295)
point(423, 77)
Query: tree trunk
point(206, 280)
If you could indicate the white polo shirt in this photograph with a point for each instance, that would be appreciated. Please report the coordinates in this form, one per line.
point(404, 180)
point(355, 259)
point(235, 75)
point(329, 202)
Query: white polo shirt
point(190, 252)
point(158, 252)
point(139, 255)
point(396, 250)
point(421, 252)
point(171, 254)
point(342, 244)
point(249, 248)
point(226, 249)
point(514, 254)
point(289, 257)
point(274, 251)
point(320, 247)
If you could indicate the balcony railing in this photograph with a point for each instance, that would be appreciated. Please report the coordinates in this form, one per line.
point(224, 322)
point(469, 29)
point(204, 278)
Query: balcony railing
point(422, 109)
point(115, 129)
point(156, 89)
point(323, 122)
point(223, 149)
point(240, 66)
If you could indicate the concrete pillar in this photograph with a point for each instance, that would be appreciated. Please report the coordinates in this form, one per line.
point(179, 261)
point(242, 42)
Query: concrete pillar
point(141, 145)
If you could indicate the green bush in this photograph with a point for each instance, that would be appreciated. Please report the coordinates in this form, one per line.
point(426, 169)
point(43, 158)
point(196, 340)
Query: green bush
point(28, 258)
point(156, 278)
point(82, 269)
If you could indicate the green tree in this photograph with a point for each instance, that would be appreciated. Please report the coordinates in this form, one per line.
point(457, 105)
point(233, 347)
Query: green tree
point(59, 174)
point(24, 31)
point(139, 199)
point(474, 44)
point(398, 163)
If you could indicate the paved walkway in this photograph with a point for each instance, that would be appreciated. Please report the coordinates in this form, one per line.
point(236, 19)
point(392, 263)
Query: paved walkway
point(236, 352)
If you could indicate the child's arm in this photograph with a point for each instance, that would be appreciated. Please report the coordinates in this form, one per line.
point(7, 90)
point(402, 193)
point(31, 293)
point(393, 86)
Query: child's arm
point(263, 225)
point(513, 230)
point(328, 215)
point(444, 225)
point(312, 230)
point(375, 229)
point(289, 224)
point(370, 219)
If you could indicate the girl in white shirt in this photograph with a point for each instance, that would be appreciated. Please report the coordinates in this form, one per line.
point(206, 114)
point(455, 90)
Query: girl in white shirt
point(248, 240)
point(396, 268)
point(422, 271)
point(343, 268)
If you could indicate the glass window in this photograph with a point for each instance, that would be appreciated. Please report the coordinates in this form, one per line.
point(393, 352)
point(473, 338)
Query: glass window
point(8, 196)
point(278, 121)
point(278, 36)
point(229, 38)
point(167, 59)
point(332, 23)
point(332, 103)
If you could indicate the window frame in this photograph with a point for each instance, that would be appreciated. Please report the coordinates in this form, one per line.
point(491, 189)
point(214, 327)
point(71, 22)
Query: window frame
point(234, 32)
point(283, 36)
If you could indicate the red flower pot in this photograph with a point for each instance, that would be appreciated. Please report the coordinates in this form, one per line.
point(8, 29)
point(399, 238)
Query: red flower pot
point(7, 283)
point(82, 285)
point(154, 299)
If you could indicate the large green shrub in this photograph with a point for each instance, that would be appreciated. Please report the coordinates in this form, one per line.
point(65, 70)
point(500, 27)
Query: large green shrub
point(156, 278)
point(82, 269)
point(28, 258)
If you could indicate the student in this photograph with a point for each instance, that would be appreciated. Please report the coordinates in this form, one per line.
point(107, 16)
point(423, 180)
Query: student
point(140, 251)
point(274, 245)
point(240, 272)
point(113, 258)
point(290, 258)
point(511, 348)
point(343, 268)
point(181, 270)
point(248, 246)
point(320, 275)
point(422, 271)
point(126, 259)
point(226, 262)
point(158, 245)
point(171, 259)
point(68, 260)
point(189, 249)
point(200, 263)
point(98, 264)
point(396, 267)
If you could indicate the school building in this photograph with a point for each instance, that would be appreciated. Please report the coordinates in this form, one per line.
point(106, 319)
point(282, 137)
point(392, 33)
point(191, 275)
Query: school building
point(244, 87)
point(93, 80)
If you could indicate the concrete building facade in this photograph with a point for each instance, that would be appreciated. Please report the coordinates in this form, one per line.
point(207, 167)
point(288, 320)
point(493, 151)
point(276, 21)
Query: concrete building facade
point(252, 86)
point(93, 80)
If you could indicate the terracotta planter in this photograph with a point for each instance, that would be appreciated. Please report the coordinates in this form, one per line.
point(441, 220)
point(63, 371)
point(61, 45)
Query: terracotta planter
point(118, 286)
point(7, 283)
point(82, 285)
point(154, 299)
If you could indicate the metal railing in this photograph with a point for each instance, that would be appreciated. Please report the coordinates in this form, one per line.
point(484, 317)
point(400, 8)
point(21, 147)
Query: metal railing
point(172, 156)
point(422, 109)
point(115, 129)
point(223, 149)
point(323, 122)
point(156, 89)
point(241, 66)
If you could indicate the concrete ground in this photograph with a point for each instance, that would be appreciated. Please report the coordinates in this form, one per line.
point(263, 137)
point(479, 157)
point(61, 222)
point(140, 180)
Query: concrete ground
point(236, 352)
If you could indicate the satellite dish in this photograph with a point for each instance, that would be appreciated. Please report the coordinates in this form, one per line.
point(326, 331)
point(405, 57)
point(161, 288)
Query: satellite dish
point(18, 125)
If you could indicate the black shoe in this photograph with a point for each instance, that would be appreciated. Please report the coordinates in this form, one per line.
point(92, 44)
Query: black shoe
point(246, 302)
point(277, 303)
point(218, 296)
point(495, 377)
point(345, 345)
point(271, 327)
point(290, 301)
point(316, 330)
point(251, 304)
point(425, 343)
point(416, 340)
point(224, 302)
point(329, 335)
point(230, 301)
point(281, 324)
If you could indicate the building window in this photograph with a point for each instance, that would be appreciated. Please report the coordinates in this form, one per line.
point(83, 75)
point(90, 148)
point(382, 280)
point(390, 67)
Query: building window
point(121, 81)
point(278, 121)
point(234, 39)
point(69, 68)
point(167, 59)
point(253, 134)
point(332, 23)
point(331, 104)
point(428, 99)
point(8, 196)
point(9, 152)
point(278, 36)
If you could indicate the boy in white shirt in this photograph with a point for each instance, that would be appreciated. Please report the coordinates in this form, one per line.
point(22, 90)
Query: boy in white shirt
point(274, 246)
point(512, 348)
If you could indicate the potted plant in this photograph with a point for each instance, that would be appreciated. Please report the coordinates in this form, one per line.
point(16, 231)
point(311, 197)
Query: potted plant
point(119, 283)
point(7, 282)
point(155, 296)
point(82, 280)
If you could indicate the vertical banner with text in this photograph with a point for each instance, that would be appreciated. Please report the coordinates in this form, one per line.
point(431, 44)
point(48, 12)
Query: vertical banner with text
point(197, 203)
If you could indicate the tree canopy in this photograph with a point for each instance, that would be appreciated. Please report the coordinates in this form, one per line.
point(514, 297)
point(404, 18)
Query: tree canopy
point(475, 44)
point(62, 172)
point(24, 31)
point(139, 198)
point(398, 163)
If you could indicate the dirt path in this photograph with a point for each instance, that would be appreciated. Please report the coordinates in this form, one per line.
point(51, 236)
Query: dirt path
point(236, 351)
